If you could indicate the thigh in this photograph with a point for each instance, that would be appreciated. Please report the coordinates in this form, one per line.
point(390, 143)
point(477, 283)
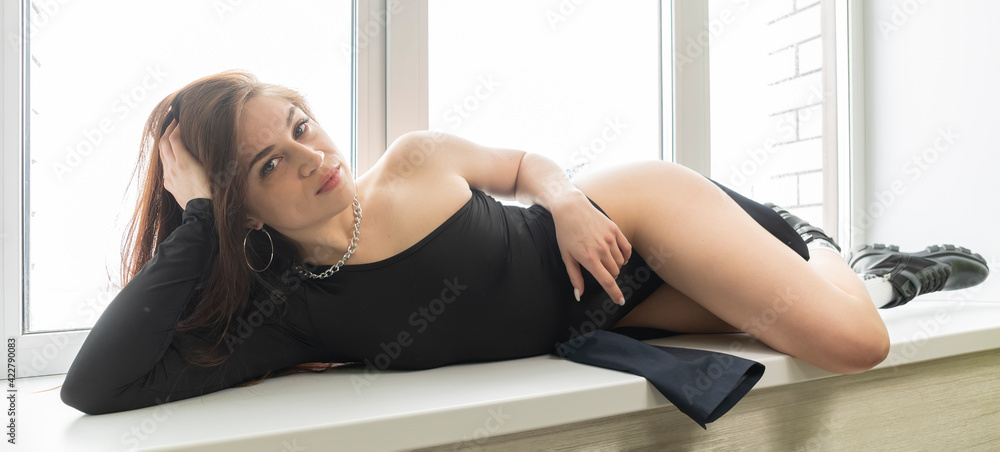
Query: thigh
point(712, 251)
point(669, 309)
point(615, 190)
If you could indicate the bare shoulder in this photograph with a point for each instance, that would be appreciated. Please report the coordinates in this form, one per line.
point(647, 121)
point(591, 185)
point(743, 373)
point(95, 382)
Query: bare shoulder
point(419, 153)
point(407, 195)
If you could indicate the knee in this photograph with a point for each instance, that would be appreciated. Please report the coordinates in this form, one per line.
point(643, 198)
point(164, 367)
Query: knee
point(858, 351)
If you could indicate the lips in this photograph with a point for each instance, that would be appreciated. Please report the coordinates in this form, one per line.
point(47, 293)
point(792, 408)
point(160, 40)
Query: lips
point(329, 180)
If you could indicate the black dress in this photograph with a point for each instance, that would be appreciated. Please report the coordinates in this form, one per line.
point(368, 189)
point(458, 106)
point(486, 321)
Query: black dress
point(487, 284)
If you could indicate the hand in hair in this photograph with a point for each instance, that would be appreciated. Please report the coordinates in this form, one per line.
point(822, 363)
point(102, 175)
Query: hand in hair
point(183, 175)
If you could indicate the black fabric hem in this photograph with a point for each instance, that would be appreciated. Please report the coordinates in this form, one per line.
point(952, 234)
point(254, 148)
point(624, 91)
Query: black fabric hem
point(702, 384)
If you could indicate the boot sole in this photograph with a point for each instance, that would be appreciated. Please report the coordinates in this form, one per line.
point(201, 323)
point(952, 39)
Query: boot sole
point(968, 268)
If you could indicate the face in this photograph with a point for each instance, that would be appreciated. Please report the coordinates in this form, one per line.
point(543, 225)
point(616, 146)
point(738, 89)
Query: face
point(288, 160)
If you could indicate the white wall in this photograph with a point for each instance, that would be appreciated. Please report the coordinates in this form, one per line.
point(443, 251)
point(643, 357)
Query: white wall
point(932, 88)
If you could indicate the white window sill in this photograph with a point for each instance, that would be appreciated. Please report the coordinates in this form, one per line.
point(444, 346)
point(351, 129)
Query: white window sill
point(402, 410)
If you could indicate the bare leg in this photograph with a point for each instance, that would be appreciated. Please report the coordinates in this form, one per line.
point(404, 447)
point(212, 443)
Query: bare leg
point(669, 309)
point(728, 264)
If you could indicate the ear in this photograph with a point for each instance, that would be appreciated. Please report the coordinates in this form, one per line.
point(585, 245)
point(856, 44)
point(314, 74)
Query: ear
point(253, 223)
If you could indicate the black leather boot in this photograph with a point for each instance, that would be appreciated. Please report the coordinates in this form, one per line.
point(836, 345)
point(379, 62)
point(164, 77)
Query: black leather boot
point(945, 267)
point(807, 231)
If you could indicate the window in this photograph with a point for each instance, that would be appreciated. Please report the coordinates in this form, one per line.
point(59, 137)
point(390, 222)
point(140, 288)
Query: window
point(588, 84)
point(767, 102)
point(92, 75)
point(578, 82)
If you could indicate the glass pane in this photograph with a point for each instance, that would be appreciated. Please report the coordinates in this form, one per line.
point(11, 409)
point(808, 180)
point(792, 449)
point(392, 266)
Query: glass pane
point(767, 93)
point(97, 70)
point(579, 83)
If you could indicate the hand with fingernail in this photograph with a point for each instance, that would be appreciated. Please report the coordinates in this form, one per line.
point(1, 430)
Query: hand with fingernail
point(589, 238)
point(183, 175)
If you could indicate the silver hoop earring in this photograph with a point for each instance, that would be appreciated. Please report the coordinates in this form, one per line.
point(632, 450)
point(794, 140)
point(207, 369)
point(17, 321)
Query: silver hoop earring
point(245, 257)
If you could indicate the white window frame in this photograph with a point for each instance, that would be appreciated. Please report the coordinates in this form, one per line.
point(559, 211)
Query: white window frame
point(689, 123)
point(407, 81)
point(692, 118)
point(844, 21)
point(389, 98)
point(38, 353)
point(371, 18)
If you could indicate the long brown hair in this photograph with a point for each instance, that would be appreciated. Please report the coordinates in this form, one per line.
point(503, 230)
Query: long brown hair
point(208, 111)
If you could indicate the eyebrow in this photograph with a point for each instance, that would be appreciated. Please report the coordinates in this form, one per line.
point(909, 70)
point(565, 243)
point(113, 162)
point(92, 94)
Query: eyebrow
point(267, 150)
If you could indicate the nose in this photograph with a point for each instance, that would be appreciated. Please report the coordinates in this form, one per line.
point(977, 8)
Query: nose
point(311, 160)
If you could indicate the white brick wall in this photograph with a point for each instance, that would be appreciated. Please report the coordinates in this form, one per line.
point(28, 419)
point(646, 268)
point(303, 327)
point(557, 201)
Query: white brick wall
point(767, 101)
point(796, 104)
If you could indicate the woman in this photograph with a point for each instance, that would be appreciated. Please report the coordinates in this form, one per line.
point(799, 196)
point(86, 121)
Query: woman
point(258, 259)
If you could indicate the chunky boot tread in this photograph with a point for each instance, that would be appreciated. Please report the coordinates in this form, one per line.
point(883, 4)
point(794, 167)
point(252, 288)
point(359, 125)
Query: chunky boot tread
point(936, 268)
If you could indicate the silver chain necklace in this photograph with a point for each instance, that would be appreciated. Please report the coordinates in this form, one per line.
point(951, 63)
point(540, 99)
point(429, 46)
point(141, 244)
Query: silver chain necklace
point(350, 248)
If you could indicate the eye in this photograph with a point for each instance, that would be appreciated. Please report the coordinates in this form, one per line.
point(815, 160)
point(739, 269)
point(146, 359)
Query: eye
point(300, 128)
point(268, 167)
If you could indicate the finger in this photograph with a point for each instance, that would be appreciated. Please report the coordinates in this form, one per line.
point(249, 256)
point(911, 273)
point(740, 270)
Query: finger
point(169, 121)
point(624, 245)
point(575, 276)
point(608, 283)
point(165, 150)
point(175, 137)
point(616, 253)
point(171, 126)
point(181, 153)
point(598, 268)
point(610, 262)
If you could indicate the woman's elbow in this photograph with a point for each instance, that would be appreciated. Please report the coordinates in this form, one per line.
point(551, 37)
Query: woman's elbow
point(75, 396)
point(86, 397)
point(76, 399)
